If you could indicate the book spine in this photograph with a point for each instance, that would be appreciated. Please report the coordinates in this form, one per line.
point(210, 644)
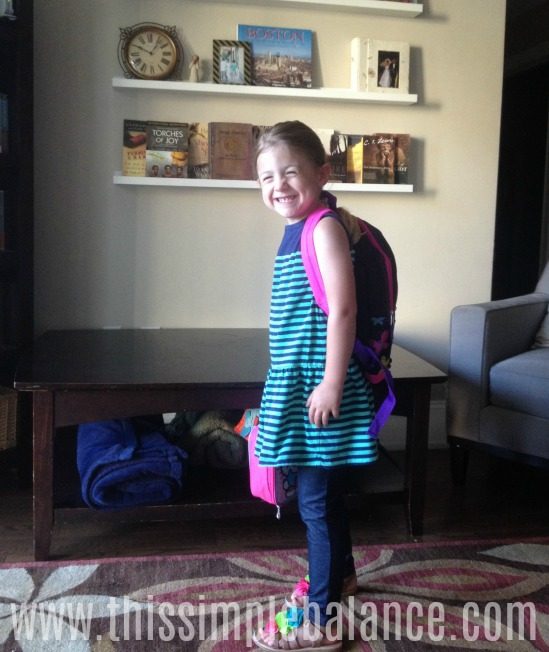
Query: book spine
point(134, 148)
point(199, 167)
point(402, 158)
point(355, 159)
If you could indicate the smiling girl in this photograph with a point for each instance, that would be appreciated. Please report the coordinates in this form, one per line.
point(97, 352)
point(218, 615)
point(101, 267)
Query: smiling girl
point(316, 407)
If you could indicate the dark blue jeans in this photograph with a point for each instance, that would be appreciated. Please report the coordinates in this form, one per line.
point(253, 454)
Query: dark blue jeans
point(321, 501)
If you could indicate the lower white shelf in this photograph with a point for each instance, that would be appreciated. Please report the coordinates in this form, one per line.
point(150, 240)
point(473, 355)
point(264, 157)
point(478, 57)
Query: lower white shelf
point(121, 180)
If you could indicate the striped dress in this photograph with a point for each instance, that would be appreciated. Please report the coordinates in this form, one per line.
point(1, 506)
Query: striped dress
point(297, 337)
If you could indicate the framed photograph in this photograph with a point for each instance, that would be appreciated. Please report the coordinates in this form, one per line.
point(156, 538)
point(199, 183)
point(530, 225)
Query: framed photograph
point(380, 66)
point(232, 62)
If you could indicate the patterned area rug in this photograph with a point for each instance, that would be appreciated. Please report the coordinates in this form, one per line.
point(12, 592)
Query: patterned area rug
point(463, 595)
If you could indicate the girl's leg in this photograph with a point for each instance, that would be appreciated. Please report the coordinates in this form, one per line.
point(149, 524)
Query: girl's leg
point(322, 509)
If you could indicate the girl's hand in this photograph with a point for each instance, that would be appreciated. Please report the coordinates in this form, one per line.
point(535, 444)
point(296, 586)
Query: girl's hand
point(323, 403)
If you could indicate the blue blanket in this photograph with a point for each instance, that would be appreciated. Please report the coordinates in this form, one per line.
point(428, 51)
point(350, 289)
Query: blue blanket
point(120, 467)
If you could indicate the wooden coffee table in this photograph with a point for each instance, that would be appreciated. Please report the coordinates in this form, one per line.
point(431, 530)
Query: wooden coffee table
point(78, 376)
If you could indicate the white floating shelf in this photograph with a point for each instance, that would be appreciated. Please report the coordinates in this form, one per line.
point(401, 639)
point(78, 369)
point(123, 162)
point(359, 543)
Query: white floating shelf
point(121, 180)
point(381, 7)
point(335, 94)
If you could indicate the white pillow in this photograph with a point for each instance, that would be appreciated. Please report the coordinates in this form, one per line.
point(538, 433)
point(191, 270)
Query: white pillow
point(542, 336)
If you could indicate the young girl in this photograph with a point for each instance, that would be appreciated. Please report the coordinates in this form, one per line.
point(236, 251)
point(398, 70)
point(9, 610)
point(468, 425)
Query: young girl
point(316, 406)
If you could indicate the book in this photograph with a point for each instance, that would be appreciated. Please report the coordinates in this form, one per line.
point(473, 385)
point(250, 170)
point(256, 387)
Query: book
point(335, 152)
point(231, 150)
point(379, 158)
point(167, 149)
point(257, 132)
point(380, 66)
point(199, 167)
point(355, 159)
point(400, 149)
point(134, 148)
point(325, 136)
point(281, 56)
point(337, 157)
point(402, 154)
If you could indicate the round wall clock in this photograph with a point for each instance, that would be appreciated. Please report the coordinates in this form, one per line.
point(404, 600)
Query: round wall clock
point(149, 51)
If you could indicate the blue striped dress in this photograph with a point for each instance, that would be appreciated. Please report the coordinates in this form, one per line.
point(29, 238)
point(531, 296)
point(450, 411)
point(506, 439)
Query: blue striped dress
point(297, 338)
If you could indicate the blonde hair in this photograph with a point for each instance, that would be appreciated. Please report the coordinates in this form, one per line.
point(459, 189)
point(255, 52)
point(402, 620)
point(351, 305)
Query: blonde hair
point(299, 136)
point(350, 224)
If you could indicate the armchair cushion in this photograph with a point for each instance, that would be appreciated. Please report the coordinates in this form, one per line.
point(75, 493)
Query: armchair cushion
point(521, 383)
point(542, 336)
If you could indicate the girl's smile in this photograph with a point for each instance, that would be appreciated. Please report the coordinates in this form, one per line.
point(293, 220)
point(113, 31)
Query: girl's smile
point(290, 182)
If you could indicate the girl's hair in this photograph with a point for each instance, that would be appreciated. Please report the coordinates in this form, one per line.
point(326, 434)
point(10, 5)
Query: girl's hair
point(296, 135)
point(299, 136)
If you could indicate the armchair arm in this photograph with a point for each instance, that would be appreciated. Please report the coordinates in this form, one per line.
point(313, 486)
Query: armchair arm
point(481, 335)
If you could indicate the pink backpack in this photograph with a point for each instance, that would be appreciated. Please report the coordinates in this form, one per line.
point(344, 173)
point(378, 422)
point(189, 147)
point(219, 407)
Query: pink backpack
point(376, 287)
point(276, 485)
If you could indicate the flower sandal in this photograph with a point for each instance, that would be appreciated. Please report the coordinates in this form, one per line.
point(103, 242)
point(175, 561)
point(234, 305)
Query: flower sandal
point(301, 589)
point(306, 637)
point(290, 631)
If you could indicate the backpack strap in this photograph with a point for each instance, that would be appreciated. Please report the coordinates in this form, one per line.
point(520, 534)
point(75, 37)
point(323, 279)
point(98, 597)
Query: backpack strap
point(310, 260)
point(365, 354)
point(361, 351)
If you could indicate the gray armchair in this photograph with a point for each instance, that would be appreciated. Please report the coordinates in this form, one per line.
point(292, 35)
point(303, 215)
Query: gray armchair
point(498, 387)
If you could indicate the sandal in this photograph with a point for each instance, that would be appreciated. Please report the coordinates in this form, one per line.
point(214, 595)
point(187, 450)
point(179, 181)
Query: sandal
point(301, 589)
point(307, 637)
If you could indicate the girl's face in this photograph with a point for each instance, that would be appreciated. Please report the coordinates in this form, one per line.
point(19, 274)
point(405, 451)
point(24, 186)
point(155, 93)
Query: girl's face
point(290, 182)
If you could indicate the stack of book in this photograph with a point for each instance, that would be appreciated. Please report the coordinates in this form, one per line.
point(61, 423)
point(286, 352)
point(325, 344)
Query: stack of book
point(225, 150)
point(374, 158)
point(199, 150)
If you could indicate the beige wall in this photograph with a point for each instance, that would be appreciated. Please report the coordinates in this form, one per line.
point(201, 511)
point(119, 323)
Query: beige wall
point(165, 257)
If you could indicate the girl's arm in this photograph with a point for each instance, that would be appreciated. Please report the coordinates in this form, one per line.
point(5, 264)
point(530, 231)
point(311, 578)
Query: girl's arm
point(336, 267)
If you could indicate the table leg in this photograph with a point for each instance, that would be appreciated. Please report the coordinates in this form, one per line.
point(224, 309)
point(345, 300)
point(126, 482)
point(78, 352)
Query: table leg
point(43, 433)
point(417, 444)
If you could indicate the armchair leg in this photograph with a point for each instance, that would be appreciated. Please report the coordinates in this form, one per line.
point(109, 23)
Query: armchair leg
point(459, 459)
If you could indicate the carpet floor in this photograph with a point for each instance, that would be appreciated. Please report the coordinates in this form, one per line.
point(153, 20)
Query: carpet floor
point(468, 595)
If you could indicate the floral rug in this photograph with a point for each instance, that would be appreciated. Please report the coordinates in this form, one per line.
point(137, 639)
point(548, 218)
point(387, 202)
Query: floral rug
point(462, 595)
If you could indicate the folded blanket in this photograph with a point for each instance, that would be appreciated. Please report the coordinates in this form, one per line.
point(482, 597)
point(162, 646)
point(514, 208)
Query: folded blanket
point(120, 468)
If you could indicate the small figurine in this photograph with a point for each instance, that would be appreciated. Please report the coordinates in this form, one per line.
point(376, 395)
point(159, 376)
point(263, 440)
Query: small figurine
point(194, 69)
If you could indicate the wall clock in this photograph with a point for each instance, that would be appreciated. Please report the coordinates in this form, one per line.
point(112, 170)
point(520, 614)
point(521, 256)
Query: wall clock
point(149, 51)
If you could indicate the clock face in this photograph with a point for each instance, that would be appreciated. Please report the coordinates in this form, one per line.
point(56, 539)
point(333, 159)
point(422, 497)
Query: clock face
point(151, 53)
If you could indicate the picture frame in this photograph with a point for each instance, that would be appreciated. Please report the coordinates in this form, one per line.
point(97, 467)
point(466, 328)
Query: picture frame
point(379, 66)
point(232, 62)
